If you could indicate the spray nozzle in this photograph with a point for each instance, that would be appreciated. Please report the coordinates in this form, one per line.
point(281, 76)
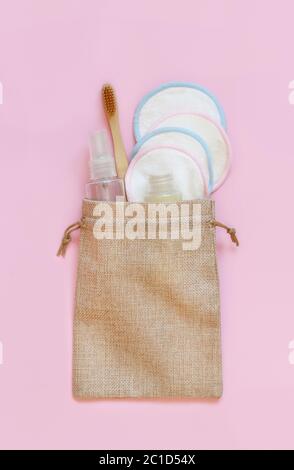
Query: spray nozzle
point(102, 164)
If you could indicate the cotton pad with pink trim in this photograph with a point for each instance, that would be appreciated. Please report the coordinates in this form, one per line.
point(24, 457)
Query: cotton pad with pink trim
point(181, 139)
point(175, 97)
point(213, 135)
point(185, 171)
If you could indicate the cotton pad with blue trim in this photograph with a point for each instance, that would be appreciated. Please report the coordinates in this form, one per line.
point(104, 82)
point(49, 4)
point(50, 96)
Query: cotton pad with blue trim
point(172, 98)
point(212, 134)
point(185, 171)
point(181, 139)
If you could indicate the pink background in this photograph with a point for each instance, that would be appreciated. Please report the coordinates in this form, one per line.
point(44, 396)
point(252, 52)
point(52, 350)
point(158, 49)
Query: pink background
point(54, 57)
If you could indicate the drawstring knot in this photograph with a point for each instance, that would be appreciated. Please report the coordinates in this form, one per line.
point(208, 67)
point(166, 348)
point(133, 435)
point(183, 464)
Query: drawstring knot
point(66, 239)
point(231, 231)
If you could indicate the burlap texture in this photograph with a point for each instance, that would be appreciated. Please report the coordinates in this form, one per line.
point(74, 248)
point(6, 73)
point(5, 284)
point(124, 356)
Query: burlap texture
point(147, 320)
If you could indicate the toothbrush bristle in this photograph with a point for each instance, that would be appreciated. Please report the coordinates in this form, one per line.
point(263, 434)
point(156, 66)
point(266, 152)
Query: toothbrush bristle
point(109, 99)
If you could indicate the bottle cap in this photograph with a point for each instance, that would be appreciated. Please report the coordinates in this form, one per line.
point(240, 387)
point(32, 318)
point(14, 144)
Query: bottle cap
point(161, 183)
point(102, 164)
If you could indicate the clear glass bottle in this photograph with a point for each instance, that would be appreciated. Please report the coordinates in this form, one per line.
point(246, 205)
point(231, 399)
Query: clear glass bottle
point(104, 185)
point(162, 188)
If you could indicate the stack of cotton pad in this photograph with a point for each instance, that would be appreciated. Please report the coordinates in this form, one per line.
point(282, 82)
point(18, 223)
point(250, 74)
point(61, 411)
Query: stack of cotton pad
point(179, 129)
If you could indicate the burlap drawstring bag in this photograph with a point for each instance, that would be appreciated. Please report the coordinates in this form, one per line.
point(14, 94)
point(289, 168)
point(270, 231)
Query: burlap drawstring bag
point(147, 311)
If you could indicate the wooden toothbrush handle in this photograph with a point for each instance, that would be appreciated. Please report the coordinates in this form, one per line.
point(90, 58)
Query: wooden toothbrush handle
point(121, 160)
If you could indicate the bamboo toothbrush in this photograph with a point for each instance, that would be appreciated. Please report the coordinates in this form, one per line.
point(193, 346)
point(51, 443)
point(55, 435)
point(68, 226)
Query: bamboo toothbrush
point(111, 112)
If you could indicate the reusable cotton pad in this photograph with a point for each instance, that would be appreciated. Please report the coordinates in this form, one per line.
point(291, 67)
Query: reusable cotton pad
point(181, 139)
point(213, 135)
point(175, 97)
point(186, 173)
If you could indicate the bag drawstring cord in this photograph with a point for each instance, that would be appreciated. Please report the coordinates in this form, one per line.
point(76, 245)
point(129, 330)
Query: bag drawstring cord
point(66, 239)
point(231, 231)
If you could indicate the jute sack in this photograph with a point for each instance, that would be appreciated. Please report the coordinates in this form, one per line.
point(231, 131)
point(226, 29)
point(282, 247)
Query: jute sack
point(147, 311)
